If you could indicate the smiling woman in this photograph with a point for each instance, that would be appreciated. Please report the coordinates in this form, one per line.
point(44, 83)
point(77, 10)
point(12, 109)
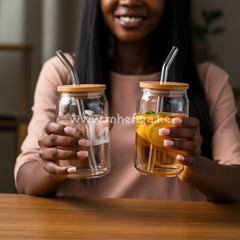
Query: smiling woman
point(132, 21)
point(124, 42)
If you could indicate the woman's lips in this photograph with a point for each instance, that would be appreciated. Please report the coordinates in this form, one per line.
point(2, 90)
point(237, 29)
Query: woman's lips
point(130, 21)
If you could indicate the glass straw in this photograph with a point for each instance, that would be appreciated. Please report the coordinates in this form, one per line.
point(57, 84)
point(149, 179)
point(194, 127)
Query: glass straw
point(75, 81)
point(164, 75)
point(168, 62)
point(72, 71)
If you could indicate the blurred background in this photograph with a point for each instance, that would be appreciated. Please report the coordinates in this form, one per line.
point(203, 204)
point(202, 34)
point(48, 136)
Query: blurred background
point(32, 30)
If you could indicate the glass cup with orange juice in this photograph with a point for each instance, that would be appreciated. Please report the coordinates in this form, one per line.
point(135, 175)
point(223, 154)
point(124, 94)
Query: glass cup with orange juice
point(157, 105)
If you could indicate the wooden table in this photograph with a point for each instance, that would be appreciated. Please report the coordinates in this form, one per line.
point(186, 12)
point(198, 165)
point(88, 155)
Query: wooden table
point(28, 217)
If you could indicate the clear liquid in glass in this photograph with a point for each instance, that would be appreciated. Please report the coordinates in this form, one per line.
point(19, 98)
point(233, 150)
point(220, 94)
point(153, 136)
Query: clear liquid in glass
point(97, 131)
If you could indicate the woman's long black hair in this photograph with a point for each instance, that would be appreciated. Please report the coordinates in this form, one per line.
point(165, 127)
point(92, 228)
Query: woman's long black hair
point(92, 59)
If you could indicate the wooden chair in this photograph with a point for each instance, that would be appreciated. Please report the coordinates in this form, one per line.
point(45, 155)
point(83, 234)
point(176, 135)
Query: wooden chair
point(19, 124)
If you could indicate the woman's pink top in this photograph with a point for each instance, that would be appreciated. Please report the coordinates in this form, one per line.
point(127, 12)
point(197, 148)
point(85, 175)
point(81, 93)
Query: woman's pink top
point(124, 181)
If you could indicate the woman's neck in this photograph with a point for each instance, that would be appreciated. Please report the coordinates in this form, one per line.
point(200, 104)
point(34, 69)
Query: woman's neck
point(133, 58)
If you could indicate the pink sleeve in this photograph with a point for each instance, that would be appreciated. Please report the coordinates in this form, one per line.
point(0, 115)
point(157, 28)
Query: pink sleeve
point(226, 136)
point(53, 74)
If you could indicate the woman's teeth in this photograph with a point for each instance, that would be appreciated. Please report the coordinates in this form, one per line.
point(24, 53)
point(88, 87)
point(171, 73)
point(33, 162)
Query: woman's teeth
point(131, 19)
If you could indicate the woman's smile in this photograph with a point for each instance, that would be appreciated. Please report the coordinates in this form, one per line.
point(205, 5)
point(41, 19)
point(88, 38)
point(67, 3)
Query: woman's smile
point(129, 21)
point(130, 17)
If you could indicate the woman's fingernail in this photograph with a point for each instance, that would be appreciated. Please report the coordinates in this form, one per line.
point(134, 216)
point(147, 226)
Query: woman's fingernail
point(177, 121)
point(180, 158)
point(168, 143)
point(72, 170)
point(69, 130)
point(83, 143)
point(164, 131)
point(82, 153)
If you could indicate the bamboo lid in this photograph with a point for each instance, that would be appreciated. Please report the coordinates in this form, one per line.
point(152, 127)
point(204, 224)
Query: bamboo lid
point(165, 86)
point(82, 88)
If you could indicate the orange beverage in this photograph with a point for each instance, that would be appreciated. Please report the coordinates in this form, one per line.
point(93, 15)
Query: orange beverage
point(152, 158)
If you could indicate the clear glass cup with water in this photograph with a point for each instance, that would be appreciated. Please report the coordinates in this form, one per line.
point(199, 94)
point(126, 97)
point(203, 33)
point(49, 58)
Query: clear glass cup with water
point(85, 108)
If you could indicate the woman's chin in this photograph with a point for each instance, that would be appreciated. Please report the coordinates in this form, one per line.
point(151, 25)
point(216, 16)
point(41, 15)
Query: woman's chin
point(130, 37)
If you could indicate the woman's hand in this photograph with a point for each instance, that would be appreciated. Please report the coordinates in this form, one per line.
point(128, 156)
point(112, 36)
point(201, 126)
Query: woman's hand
point(57, 142)
point(188, 130)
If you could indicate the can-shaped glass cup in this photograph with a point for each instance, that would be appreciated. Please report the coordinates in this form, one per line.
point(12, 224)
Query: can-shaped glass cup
point(85, 108)
point(157, 105)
